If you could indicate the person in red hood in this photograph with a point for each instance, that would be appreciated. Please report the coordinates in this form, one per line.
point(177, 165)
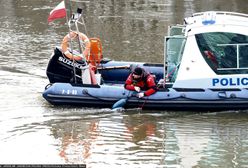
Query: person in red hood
point(140, 80)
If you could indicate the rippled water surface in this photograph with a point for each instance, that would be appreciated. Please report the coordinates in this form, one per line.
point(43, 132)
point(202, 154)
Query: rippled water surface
point(33, 131)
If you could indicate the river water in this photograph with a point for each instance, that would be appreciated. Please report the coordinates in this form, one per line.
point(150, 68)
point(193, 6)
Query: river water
point(33, 131)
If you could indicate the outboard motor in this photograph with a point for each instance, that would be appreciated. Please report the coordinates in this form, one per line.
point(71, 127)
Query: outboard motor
point(60, 68)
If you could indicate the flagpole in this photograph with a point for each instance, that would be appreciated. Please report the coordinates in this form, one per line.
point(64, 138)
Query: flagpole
point(71, 45)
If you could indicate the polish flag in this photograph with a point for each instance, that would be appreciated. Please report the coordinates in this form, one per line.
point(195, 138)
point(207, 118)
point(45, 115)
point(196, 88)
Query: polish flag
point(58, 12)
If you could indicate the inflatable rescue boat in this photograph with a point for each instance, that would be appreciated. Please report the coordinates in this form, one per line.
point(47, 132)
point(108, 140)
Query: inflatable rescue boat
point(205, 68)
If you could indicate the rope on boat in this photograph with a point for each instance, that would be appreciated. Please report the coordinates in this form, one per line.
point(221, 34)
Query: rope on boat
point(48, 86)
point(86, 92)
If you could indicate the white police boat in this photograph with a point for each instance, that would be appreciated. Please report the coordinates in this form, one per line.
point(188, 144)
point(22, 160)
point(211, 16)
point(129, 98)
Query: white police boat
point(205, 68)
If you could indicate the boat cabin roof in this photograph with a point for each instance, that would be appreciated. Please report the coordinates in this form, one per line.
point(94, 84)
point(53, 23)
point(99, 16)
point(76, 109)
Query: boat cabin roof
point(216, 21)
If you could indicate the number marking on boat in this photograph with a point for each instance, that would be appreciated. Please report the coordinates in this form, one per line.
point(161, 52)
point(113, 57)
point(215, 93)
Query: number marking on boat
point(69, 92)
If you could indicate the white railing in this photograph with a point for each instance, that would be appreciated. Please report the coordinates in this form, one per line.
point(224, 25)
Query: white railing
point(222, 13)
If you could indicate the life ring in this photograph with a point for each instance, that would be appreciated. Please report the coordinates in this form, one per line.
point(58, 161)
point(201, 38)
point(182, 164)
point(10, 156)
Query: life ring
point(71, 36)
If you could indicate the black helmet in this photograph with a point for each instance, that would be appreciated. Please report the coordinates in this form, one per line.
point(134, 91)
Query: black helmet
point(138, 71)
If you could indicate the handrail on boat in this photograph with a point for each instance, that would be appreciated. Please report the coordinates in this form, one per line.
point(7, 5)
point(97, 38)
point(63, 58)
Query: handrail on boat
point(234, 44)
point(222, 13)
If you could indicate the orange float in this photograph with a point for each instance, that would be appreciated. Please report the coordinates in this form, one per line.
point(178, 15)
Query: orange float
point(95, 56)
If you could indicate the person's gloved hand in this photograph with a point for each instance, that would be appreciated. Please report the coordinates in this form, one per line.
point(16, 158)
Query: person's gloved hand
point(140, 95)
point(137, 89)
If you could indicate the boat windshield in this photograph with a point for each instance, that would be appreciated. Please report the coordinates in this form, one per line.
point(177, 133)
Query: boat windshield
point(173, 54)
point(173, 50)
point(225, 53)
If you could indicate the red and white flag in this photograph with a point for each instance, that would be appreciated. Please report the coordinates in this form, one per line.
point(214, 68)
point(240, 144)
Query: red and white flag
point(58, 12)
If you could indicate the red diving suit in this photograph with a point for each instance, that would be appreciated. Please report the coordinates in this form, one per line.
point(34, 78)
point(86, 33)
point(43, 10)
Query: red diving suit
point(146, 82)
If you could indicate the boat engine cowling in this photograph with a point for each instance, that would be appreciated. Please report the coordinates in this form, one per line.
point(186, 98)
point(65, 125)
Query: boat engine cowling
point(60, 68)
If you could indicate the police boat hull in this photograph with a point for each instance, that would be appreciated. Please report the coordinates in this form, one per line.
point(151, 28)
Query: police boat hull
point(100, 96)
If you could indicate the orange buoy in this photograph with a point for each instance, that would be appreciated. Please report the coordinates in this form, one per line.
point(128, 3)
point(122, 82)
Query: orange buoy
point(95, 56)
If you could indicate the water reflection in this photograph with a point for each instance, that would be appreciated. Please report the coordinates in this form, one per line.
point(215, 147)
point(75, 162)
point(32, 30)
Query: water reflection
point(153, 140)
point(116, 138)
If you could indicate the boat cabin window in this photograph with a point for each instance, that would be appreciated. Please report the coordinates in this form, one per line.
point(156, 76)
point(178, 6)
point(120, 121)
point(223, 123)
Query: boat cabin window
point(225, 53)
point(174, 46)
point(176, 30)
